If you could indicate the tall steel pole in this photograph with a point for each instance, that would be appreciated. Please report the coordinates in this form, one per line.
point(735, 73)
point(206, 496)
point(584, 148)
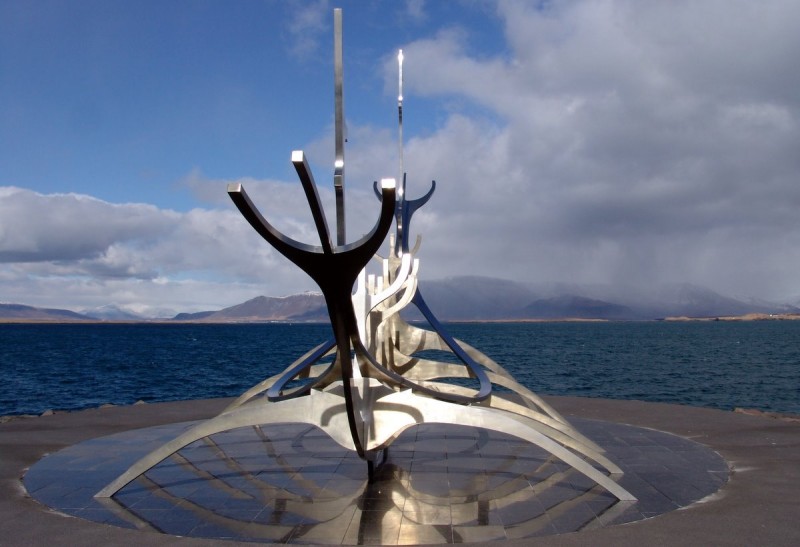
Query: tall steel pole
point(338, 95)
point(400, 111)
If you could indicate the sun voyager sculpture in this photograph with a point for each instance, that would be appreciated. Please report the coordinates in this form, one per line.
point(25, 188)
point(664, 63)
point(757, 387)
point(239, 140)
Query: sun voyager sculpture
point(376, 378)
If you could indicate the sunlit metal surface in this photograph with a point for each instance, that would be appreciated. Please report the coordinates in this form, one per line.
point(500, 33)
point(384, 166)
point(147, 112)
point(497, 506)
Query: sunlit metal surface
point(441, 484)
point(400, 112)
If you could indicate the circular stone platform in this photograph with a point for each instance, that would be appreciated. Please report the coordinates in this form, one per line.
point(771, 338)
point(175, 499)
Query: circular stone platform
point(441, 484)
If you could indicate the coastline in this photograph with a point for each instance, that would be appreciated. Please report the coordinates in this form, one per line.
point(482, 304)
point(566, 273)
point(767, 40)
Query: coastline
point(263, 320)
point(745, 317)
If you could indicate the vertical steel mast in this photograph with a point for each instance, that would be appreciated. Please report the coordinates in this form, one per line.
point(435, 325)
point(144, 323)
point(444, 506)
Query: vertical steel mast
point(400, 111)
point(338, 96)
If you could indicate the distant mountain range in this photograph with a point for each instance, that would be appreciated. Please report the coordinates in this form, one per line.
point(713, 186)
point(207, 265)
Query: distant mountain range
point(465, 298)
point(20, 312)
point(482, 298)
point(111, 312)
point(305, 307)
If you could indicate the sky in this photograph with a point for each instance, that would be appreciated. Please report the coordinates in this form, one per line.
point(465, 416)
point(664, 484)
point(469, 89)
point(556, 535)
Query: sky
point(624, 143)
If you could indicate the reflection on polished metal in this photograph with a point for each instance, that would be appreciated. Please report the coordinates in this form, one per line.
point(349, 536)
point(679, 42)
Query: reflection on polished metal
point(381, 375)
point(292, 484)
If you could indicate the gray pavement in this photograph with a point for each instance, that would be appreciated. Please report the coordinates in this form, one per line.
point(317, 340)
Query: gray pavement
point(759, 505)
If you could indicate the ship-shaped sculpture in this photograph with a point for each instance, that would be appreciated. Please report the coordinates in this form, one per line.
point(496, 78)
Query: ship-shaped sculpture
point(376, 377)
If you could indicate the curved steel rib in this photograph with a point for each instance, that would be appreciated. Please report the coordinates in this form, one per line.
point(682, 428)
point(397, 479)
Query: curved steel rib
point(333, 269)
point(405, 209)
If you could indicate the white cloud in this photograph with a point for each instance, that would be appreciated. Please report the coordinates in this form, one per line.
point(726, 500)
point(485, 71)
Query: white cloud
point(307, 22)
point(62, 227)
point(75, 251)
point(634, 142)
point(415, 9)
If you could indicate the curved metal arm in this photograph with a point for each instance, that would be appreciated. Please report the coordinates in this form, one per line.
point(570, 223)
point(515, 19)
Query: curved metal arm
point(276, 391)
point(403, 212)
point(334, 269)
point(285, 245)
point(474, 368)
point(312, 196)
point(360, 252)
point(348, 260)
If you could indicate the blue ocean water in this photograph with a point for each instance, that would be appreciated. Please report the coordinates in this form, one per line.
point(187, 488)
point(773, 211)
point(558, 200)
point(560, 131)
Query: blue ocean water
point(714, 364)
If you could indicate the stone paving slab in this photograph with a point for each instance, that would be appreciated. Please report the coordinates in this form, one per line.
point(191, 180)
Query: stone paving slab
point(758, 505)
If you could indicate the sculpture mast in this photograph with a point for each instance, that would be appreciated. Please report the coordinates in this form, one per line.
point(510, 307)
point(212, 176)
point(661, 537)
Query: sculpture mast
point(338, 95)
point(400, 112)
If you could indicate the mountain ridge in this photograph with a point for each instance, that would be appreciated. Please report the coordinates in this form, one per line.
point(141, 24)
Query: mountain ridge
point(22, 312)
point(303, 307)
point(465, 298)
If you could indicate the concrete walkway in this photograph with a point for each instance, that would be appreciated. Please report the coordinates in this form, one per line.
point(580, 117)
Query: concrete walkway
point(759, 505)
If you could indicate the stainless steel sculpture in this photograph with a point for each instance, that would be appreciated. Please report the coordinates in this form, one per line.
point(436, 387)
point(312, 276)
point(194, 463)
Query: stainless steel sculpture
point(376, 378)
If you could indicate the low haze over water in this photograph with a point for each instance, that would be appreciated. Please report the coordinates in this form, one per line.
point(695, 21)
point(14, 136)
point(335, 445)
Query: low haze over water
point(715, 364)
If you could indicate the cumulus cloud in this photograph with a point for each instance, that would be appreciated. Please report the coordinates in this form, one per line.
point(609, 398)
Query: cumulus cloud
point(79, 251)
point(63, 227)
point(626, 142)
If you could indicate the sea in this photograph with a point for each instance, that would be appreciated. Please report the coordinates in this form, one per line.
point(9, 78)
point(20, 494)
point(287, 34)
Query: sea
point(724, 365)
